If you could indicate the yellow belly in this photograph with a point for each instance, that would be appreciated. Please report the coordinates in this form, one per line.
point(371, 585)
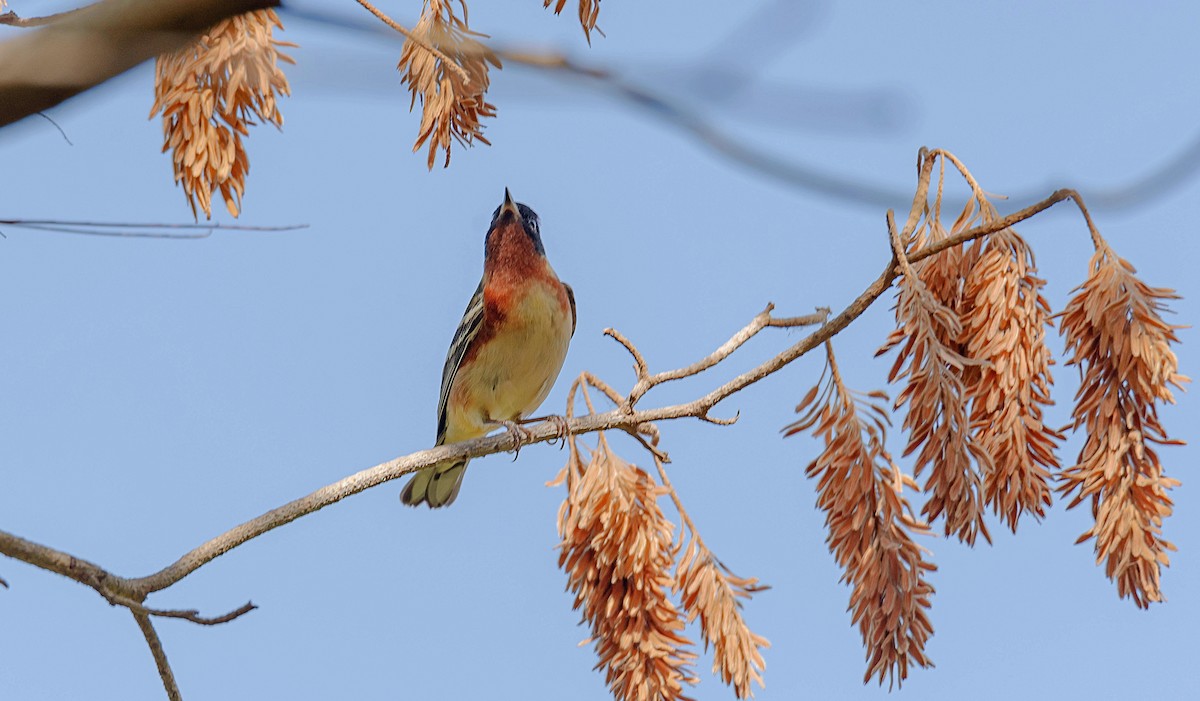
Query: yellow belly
point(513, 372)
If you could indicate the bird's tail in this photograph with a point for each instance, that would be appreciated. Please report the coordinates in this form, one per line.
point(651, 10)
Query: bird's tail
point(437, 486)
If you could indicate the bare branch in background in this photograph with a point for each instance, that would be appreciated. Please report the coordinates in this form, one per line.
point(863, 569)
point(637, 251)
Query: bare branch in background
point(138, 230)
point(87, 47)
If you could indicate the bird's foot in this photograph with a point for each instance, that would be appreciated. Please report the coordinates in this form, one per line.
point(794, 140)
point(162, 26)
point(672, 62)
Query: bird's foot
point(520, 435)
point(562, 428)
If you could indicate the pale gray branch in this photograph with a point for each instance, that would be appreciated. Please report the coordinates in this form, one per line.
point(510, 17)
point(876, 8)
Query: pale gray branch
point(622, 418)
point(626, 417)
point(160, 656)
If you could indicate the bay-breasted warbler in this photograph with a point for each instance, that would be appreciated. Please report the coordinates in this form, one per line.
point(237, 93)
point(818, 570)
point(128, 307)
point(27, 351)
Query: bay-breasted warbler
point(507, 351)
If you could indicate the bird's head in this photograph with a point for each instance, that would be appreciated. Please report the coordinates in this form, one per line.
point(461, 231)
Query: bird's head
point(511, 215)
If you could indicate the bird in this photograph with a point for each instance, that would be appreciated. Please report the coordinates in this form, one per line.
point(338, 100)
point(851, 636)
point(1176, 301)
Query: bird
point(507, 352)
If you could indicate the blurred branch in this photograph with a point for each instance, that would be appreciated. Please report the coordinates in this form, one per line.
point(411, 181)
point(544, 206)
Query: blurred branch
point(83, 48)
point(652, 101)
point(1176, 168)
point(138, 230)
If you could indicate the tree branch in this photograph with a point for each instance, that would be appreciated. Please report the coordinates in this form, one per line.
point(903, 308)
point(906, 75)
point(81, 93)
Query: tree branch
point(84, 48)
point(131, 593)
point(625, 418)
point(160, 657)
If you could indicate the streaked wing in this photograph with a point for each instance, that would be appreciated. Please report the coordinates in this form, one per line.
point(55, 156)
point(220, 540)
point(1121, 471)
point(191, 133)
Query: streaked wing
point(571, 297)
point(467, 328)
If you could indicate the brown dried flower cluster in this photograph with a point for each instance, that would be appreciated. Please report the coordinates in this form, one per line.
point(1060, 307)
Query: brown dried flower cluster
point(589, 12)
point(619, 553)
point(714, 594)
point(616, 548)
point(447, 68)
point(1116, 335)
point(931, 359)
point(972, 326)
point(209, 93)
point(860, 489)
point(972, 321)
point(1004, 319)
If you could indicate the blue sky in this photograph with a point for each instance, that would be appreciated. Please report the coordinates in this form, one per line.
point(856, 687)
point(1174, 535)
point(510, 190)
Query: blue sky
point(155, 393)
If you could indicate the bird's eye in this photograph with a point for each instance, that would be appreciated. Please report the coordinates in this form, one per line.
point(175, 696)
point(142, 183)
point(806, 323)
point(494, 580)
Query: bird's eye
point(532, 223)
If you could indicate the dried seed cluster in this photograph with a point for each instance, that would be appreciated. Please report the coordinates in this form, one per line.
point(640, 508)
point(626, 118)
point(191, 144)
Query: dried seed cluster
point(714, 594)
point(1117, 337)
point(870, 524)
point(209, 93)
point(446, 67)
point(971, 327)
point(616, 548)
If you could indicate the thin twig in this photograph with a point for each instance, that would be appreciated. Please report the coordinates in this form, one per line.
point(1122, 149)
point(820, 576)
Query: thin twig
point(194, 616)
point(11, 19)
point(1000, 224)
point(1097, 239)
point(684, 518)
point(160, 657)
point(61, 133)
point(646, 433)
point(408, 34)
point(962, 170)
point(762, 320)
point(818, 317)
point(898, 251)
point(89, 228)
point(639, 363)
point(191, 615)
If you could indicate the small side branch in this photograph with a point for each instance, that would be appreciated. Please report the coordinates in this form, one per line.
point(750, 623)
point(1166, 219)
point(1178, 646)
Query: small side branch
point(117, 591)
point(408, 34)
point(160, 656)
point(646, 381)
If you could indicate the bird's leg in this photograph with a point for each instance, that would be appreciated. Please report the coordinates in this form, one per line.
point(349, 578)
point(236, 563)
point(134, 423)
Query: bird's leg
point(560, 423)
point(520, 434)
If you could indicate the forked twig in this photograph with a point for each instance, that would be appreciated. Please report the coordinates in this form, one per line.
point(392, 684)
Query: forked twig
point(646, 381)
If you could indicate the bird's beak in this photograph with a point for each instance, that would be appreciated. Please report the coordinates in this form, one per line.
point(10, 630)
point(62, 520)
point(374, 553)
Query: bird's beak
point(509, 205)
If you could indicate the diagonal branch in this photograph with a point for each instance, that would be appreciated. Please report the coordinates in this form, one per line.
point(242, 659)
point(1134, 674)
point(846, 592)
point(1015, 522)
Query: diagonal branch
point(117, 591)
point(132, 592)
point(622, 418)
point(160, 657)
